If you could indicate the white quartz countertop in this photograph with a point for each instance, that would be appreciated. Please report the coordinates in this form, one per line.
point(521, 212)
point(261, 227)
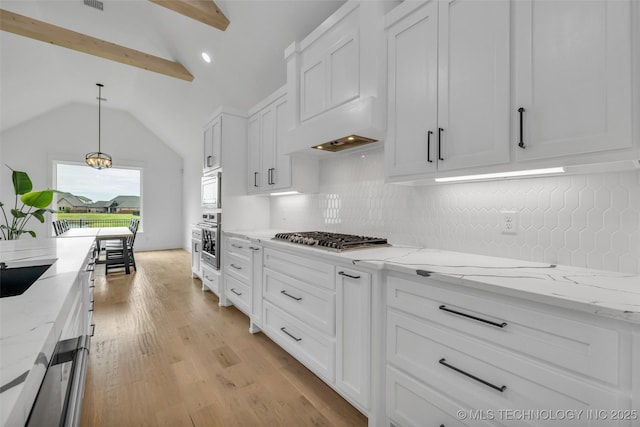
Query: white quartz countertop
point(604, 293)
point(31, 323)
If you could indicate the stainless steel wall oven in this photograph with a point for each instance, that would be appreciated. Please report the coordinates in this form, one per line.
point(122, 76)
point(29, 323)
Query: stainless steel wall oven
point(211, 239)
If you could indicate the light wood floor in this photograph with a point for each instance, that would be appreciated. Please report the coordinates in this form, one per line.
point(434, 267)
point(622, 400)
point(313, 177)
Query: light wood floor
point(165, 354)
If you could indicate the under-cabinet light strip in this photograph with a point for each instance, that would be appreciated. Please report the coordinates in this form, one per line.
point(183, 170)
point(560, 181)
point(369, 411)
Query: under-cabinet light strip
point(284, 193)
point(512, 174)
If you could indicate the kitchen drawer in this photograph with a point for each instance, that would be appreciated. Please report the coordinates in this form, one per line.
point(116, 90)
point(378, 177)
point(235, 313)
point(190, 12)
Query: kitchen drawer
point(311, 304)
point(239, 294)
point(312, 348)
point(238, 246)
point(564, 341)
point(211, 281)
point(413, 404)
point(239, 267)
point(422, 349)
point(301, 268)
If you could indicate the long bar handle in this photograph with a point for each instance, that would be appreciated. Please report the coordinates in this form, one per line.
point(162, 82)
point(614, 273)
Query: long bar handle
point(521, 143)
point(236, 292)
point(479, 319)
point(429, 147)
point(342, 273)
point(255, 179)
point(440, 143)
point(235, 266)
point(284, 292)
point(237, 246)
point(289, 333)
point(480, 380)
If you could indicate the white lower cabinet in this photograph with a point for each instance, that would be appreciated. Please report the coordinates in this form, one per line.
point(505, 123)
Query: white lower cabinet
point(210, 279)
point(460, 356)
point(353, 334)
point(242, 269)
point(320, 312)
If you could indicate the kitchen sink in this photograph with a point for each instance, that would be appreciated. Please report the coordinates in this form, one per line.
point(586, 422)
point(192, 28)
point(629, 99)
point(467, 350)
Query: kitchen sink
point(16, 277)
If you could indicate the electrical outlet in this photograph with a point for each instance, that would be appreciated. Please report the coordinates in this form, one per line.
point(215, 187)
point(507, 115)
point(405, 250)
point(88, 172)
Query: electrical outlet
point(509, 222)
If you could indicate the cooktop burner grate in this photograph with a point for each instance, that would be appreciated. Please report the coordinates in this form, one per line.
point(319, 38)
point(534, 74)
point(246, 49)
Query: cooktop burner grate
point(333, 241)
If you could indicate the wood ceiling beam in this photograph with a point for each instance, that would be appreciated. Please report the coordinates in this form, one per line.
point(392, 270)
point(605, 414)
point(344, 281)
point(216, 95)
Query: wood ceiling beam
point(205, 11)
point(48, 33)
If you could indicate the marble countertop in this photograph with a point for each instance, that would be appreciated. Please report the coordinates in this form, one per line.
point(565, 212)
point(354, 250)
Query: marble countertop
point(604, 293)
point(31, 323)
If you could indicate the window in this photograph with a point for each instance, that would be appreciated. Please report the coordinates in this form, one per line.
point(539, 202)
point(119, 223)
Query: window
point(89, 197)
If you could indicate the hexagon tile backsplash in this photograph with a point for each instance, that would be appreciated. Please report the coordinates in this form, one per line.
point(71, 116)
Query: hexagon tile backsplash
point(581, 220)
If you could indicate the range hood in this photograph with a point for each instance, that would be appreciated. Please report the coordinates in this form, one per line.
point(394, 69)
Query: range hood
point(336, 83)
point(354, 124)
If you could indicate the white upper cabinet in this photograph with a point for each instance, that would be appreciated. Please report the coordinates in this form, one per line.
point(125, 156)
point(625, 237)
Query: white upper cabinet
point(573, 77)
point(448, 82)
point(269, 169)
point(212, 144)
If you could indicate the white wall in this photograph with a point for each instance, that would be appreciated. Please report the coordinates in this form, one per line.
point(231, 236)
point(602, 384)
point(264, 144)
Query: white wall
point(69, 132)
point(583, 220)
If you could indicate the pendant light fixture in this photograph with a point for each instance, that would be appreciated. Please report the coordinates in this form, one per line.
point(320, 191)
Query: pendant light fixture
point(98, 159)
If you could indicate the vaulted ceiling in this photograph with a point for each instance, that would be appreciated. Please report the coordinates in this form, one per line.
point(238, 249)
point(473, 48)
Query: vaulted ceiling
point(248, 60)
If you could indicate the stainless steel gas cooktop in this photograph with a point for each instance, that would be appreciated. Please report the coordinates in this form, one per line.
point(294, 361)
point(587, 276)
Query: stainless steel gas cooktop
point(333, 241)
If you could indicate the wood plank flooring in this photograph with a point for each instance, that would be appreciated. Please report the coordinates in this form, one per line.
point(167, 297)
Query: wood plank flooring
point(165, 354)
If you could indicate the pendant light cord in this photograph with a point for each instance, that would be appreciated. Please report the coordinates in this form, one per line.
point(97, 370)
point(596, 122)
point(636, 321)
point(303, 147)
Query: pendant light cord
point(99, 114)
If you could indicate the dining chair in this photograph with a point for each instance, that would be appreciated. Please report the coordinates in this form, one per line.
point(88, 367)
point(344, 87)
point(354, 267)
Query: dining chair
point(57, 227)
point(115, 253)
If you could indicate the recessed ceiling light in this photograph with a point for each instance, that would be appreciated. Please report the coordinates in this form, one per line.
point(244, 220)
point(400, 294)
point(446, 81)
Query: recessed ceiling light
point(206, 58)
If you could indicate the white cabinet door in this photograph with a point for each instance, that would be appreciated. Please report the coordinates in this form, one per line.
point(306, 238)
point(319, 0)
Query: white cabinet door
point(413, 85)
point(353, 334)
point(281, 164)
point(449, 87)
point(573, 77)
point(267, 142)
point(254, 155)
point(212, 144)
point(268, 169)
point(473, 84)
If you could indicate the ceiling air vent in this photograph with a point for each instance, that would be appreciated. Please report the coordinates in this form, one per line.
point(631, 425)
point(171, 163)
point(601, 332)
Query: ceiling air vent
point(97, 4)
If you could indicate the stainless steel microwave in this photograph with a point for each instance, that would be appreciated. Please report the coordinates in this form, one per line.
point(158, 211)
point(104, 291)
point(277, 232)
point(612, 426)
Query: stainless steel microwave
point(211, 190)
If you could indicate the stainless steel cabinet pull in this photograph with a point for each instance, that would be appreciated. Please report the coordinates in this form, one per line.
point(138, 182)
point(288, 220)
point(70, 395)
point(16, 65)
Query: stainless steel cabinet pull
point(429, 147)
point(500, 389)
point(270, 176)
point(236, 292)
point(90, 267)
point(440, 144)
point(90, 306)
point(290, 296)
point(209, 161)
point(521, 143)
point(479, 319)
point(236, 267)
point(255, 179)
point(93, 329)
point(254, 248)
point(237, 246)
point(342, 273)
point(288, 333)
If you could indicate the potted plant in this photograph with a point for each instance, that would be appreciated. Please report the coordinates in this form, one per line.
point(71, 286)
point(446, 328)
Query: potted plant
point(34, 204)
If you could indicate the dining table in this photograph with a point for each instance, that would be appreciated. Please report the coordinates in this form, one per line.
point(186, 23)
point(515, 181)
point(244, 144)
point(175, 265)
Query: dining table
point(104, 233)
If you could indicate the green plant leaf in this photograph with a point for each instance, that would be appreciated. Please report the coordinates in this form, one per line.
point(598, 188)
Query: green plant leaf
point(21, 182)
point(33, 233)
point(39, 214)
point(38, 199)
point(18, 214)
